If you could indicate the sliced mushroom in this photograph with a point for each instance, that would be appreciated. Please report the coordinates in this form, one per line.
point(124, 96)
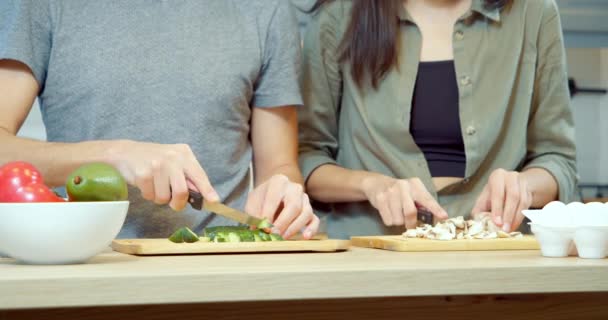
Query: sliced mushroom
point(502, 234)
point(458, 222)
point(476, 228)
point(457, 228)
point(411, 233)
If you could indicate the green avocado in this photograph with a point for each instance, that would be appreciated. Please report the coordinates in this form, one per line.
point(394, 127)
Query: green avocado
point(96, 182)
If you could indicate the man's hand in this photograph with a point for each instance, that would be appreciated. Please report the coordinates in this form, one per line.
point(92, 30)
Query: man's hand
point(285, 204)
point(162, 172)
point(504, 198)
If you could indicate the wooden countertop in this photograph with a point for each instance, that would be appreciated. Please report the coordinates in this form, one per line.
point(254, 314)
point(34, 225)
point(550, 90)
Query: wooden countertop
point(118, 279)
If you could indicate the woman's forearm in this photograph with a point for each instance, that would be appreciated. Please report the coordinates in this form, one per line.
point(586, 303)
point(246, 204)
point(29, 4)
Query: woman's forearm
point(543, 186)
point(330, 183)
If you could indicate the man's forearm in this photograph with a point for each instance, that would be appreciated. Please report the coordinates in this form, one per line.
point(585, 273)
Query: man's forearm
point(54, 160)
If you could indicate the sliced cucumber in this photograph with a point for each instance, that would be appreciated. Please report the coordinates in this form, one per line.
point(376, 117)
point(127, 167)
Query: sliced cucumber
point(256, 237)
point(184, 235)
point(233, 237)
point(212, 231)
point(263, 235)
point(247, 236)
point(219, 238)
point(275, 237)
point(264, 224)
point(238, 234)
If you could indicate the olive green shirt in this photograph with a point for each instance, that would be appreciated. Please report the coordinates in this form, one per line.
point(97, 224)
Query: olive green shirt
point(514, 106)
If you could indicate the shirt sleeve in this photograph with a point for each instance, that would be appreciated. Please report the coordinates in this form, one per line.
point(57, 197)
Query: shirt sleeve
point(321, 90)
point(278, 82)
point(25, 34)
point(551, 143)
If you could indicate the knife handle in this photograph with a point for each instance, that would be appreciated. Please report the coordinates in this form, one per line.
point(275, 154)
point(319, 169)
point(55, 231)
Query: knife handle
point(195, 199)
point(425, 216)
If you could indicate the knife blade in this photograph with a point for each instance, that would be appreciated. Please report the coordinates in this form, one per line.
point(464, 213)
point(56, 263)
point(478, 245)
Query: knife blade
point(197, 202)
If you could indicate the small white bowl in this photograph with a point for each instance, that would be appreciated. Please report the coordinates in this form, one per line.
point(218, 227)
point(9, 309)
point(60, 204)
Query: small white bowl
point(59, 233)
point(592, 242)
point(554, 241)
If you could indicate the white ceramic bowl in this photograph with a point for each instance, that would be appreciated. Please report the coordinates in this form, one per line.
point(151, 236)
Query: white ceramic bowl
point(554, 241)
point(591, 242)
point(59, 233)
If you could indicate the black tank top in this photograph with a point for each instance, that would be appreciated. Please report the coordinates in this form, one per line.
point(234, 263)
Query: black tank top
point(435, 119)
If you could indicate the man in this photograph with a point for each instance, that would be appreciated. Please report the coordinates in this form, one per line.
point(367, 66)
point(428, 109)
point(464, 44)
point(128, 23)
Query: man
point(161, 89)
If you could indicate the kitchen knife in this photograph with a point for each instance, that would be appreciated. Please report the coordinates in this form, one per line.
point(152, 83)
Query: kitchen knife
point(197, 202)
point(425, 216)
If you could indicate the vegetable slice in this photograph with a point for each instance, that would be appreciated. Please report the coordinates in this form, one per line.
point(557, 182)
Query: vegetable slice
point(233, 237)
point(238, 234)
point(275, 237)
point(184, 235)
point(264, 224)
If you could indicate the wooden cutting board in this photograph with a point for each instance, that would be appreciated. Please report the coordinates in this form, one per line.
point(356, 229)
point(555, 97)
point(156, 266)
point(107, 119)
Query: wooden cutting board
point(399, 243)
point(163, 246)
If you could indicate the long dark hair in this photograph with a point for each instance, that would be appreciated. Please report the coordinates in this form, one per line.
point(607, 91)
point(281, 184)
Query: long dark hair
point(370, 41)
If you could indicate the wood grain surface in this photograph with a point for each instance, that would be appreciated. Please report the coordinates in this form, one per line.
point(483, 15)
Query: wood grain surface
point(166, 247)
point(113, 279)
point(399, 243)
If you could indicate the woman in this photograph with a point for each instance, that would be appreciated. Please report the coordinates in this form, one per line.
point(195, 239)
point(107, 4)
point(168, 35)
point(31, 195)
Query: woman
point(457, 106)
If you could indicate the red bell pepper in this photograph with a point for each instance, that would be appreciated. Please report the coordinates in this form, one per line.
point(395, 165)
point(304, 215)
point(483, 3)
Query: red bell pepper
point(22, 182)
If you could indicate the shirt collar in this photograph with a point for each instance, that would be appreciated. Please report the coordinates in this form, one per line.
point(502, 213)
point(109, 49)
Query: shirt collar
point(477, 6)
point(490, 13)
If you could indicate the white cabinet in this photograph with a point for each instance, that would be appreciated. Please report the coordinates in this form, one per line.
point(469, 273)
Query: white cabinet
point(585, 22)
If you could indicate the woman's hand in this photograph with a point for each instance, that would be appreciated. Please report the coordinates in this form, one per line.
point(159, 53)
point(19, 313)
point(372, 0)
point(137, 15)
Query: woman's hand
point(398, 200)
point(504, 198)
point(285, 204)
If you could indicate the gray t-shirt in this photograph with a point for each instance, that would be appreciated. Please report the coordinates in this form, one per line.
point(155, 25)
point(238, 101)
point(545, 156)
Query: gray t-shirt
point(160, 71)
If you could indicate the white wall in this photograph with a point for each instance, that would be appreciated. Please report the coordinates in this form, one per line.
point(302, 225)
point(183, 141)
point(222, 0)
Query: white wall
point(589, 67)
point(604, 122)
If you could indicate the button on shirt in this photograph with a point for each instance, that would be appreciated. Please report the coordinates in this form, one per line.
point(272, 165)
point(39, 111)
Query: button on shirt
point(514, 106)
